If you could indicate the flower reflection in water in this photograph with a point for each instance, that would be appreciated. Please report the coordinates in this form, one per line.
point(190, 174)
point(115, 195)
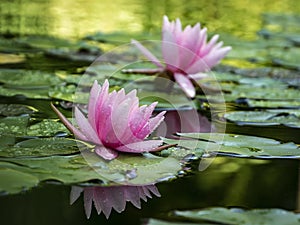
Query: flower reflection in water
point(183, 121)
point(115, 197)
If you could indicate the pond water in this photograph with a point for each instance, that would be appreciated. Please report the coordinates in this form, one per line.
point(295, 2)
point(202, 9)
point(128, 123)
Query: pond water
point(60, 38)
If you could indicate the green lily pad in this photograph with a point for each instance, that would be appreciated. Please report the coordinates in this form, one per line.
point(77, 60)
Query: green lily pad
point(235, 145)
point(264, 118)
point(120, 37)
point(273, 103)
point(74, 169)
point(11, 58)
point(46, 127)
point(161, 222)
point(81, 52)
point(29, 93)
point(39, 147)
point(236, 216)
point(14, 181)
point(236, 87)
point(28, 79)
point(68, 93)
point(14, 125)
point(44, 42)
point(15, 109)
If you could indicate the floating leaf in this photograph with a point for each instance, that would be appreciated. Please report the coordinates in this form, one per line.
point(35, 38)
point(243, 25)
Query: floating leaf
point(74, 169)
point(237, 87)
point(236, 216)
point(161, 222)
point(14, 181)
point(120, 37)
point(14, 125)
point(23, 79)
point(15, 109)
point(40, 147)
point(29, 93)
point(11, 58)
point(46, 127)
point(273, 103)
point(236, 145)
point(69, 93)
point(285, 117)
point(44, 42)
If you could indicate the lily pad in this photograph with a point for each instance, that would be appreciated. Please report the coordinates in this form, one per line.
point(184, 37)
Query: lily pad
point(39, 147)
point(74, 169)
point(290, 118)
point(236, 87)
point(236, 216)
point(14, 181)
point(161, 222)
point(273, 103)
point(15, 109)
point(11, 58)
point(14, 125)
point(233, 216)
point(29, 93)
point(120, 37)
point(23, 79)
point(235, 145)
point(46, 127)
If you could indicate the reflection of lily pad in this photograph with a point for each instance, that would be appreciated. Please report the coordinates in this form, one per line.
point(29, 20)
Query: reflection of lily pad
point(235, 145)
point(262, 118)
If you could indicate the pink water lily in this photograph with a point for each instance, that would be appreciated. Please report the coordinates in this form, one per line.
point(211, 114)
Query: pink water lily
point(115, 122)
point(107, 198)
point(186, 53)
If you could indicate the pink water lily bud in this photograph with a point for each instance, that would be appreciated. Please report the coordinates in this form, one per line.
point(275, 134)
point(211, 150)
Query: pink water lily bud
point(186, 52)
point(107, 198)
point(115, 122)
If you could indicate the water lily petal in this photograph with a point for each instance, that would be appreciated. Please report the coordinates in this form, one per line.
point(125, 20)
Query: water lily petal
point(155, 121)
point(86, 127)
point(214, 57)
point(147, 53)
point(69, 125)
point(94, 96)
point(105, 153)
point(185, 83)
point(139, 147)
point(170, 51)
